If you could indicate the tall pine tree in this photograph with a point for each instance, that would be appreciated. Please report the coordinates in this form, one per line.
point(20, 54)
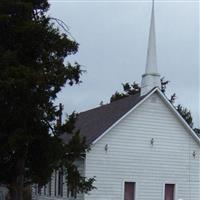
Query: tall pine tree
point(32, 72)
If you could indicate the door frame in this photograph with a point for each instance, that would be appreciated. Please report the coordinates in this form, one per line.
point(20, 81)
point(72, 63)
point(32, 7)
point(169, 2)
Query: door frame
point(130, 181)
point(175, 189)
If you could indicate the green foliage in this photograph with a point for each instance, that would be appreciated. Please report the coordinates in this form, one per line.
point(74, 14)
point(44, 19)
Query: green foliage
point(163, 84)
point(78, 184)
point(129, 89)
point(186, 114)
point(197, 131)
point(32, 72)
point(173, 98)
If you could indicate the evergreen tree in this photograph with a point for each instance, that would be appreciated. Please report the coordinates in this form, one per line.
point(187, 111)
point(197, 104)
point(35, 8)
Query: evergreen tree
point(186, 114)
point(32, 72)
point(129, 89)
point(197, 131)
point(163, 84)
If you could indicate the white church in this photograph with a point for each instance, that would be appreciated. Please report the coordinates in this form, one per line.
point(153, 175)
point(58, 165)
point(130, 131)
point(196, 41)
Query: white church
point(141, 148)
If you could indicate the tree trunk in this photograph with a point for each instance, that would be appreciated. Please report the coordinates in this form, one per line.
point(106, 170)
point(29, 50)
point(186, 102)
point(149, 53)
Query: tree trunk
point(16, 194)
point(17, 187)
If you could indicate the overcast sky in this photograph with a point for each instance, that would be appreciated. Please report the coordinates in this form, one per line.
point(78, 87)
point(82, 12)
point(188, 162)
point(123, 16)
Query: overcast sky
point(113, 39)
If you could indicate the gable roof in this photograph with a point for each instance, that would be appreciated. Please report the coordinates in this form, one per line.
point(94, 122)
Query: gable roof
point(95, 123)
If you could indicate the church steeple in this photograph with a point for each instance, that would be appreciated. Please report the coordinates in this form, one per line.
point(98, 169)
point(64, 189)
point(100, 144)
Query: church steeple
point(151, 78)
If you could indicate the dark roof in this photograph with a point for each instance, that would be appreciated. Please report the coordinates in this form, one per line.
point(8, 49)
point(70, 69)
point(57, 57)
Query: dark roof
point(93, 123)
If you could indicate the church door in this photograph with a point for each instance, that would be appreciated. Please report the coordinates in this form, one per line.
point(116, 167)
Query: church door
point(129, 191)
point(169, 191)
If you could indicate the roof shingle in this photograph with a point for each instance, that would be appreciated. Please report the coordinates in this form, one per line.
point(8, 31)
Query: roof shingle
point(93, 123)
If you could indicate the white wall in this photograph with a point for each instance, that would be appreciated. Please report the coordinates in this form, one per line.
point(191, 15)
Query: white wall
point(131, 157)
point(3, 192)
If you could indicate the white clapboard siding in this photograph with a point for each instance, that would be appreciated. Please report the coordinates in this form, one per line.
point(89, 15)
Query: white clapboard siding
point(132, 157)
point(80, 165)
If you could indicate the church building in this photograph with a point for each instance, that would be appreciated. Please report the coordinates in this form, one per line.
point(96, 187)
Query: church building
point(141, 148)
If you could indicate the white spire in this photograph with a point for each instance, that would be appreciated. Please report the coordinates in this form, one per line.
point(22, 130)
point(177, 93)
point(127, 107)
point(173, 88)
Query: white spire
point(151, 64)
point(151, 78)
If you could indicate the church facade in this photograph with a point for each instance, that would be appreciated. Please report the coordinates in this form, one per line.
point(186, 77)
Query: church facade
point(148, 153)
point(141, 148)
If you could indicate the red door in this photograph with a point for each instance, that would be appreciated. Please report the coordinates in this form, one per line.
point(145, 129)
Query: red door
point(129, 191)
point(169, 191)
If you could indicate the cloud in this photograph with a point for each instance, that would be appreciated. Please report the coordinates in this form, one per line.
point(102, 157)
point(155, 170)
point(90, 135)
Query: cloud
point(113, 45)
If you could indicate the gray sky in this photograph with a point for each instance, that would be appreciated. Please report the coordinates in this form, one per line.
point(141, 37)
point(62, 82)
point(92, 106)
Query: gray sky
point(113, 39)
